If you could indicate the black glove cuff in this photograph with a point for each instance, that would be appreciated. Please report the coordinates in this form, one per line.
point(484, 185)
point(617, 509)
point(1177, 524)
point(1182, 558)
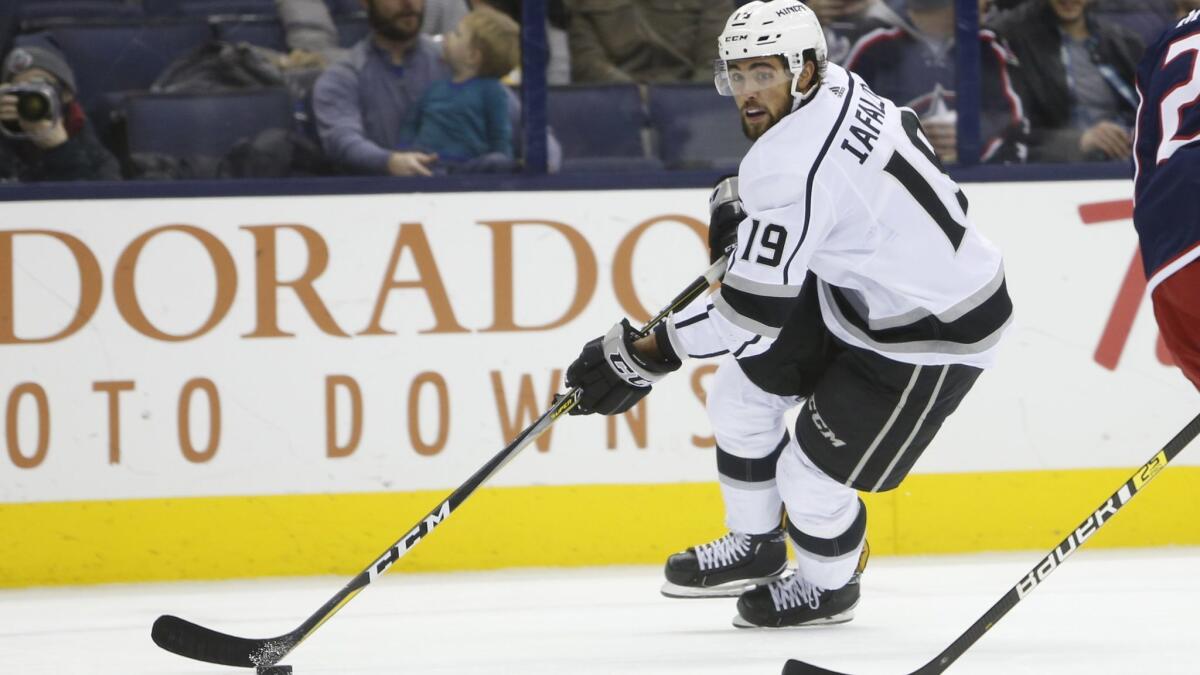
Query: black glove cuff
point(670, 359)
point(657, 366)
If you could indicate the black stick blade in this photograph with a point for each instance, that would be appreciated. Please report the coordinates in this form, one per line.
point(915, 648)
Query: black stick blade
point(203, 644)
point(794, 667)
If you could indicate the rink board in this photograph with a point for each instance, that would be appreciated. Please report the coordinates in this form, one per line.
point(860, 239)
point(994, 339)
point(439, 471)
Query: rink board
point(206, 388)
point(570, 526)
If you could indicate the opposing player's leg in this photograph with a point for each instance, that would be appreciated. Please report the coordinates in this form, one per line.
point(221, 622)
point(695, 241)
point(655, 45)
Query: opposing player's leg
point(1177, 308)
point(751, 433)
point(863, 428)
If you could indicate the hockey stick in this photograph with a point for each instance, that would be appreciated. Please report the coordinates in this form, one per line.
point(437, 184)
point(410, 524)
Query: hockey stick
point(1048, 564)
point(197, 642)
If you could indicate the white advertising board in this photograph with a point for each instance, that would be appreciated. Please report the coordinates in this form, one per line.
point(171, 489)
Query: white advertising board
point(163, 348)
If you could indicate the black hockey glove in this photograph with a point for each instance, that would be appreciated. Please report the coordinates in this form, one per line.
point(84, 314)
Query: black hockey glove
point(725, 213)
point(612, 374)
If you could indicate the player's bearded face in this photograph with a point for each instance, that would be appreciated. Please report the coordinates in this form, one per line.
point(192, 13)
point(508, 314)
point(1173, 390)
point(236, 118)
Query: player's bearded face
point(762, 89)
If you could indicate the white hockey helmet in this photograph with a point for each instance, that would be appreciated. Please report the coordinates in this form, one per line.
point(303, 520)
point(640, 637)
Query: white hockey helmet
point(786, 28)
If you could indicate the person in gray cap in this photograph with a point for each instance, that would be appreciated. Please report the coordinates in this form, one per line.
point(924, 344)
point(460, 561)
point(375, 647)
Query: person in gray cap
point(44, 134)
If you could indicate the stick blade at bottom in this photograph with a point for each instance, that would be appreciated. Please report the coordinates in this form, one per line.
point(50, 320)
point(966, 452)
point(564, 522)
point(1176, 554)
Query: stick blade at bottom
point(204, 644)
point(794, 667)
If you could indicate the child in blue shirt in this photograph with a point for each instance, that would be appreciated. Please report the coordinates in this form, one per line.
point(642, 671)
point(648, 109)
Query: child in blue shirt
point(465, 119)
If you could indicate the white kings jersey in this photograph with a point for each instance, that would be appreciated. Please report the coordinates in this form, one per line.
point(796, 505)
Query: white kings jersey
point(848, 188)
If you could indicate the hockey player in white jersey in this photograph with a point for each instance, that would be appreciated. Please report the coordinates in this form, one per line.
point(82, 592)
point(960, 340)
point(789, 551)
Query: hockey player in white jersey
point(856, 286)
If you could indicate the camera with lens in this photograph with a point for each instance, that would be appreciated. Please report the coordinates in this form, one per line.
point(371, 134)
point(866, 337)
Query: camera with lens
point(36, 102)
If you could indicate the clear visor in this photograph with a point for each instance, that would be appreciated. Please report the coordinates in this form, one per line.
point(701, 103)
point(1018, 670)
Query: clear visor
point(747, 76)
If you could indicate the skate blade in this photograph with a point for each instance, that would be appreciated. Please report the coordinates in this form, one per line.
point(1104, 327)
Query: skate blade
point(731, 589)
point(841, 617)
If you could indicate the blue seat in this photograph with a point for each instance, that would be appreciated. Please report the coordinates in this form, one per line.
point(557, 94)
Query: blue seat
point(697, 128)
point(202, 125)
point(204, 8)
point(599, 126)
point(110, 59)
point(268, 34)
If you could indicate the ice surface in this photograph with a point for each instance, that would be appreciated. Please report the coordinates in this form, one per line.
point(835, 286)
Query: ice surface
point(1103, 612)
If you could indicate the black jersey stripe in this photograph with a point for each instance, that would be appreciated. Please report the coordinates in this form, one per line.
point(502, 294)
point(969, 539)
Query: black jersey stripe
point(761, 308)
point(812, 175)
point(746, 323)
point(949, 314)
point(973, 332)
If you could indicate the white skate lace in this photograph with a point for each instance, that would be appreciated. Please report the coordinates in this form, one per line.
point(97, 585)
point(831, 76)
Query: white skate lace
point(793, 592)
point(723, 551)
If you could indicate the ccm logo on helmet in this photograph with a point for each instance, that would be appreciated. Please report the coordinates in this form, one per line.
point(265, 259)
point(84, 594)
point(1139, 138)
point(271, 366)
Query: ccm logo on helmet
point(737, 38)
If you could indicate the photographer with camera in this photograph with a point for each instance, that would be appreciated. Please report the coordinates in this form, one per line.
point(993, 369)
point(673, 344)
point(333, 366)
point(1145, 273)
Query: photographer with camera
point(44, 135)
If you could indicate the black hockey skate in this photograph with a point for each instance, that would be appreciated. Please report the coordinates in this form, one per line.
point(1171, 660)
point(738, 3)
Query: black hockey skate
point(727, 567)
point(792, 601)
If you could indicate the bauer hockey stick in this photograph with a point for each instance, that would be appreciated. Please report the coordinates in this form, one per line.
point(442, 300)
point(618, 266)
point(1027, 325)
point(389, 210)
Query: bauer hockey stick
point(1048, 564)
point(203, 644)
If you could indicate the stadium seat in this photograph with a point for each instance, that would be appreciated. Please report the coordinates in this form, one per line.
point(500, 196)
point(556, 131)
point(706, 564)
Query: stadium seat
point(111, 59)
point(697, 128)
point(202, 125)
point(599, 126)
point(268, 34)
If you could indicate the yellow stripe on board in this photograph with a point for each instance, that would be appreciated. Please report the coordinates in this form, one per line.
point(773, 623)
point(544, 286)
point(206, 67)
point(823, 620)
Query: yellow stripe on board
point(230, 537)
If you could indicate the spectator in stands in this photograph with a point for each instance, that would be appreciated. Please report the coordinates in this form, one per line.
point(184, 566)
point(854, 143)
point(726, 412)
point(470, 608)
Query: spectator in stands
point(630, 41)
point(362, 102)
point(1076, 79)
point(845, 21)
point(465, 119)
point(913, 64)
point(45, 135)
